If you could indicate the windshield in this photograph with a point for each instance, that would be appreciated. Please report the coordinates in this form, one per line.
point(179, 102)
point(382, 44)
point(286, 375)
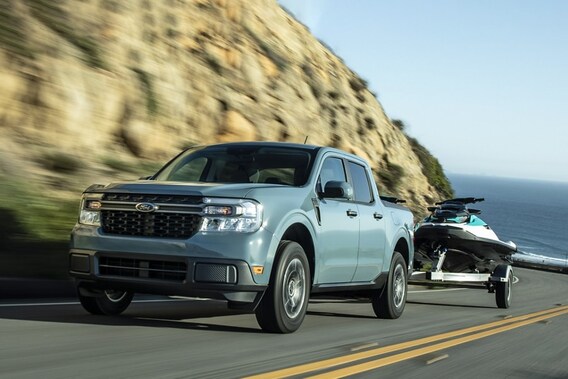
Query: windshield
point(240, 164)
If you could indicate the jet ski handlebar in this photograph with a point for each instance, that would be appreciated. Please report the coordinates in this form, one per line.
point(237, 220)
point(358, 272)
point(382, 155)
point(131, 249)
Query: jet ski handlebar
point(453, 208)
point(462, 200)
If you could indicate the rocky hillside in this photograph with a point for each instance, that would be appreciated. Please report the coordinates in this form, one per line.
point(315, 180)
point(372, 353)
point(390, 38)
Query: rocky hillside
point(93, 90)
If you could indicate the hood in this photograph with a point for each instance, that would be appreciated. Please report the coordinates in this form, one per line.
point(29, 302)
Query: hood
point(234, 190)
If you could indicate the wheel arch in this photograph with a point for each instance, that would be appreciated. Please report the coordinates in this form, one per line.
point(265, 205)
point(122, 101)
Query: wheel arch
point(300, 234)
point(403, 248)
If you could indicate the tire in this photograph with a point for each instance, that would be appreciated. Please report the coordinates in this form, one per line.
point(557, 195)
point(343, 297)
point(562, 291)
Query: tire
point(110, 303)
point(284, 304)
point(389, 302)
point(503, 292)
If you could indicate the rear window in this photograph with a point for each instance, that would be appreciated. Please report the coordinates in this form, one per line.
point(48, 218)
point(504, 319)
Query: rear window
point(361, 184)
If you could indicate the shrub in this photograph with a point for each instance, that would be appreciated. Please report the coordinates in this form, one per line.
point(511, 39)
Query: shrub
point(316, 86)
point(148, 87)
point(52, 15)
point(10, 225)
point(140, 168)
point(391, 176)
point(399, 124)
point(326, 45)
point(333, 94)
point(118, 164)
point(148, 167)
point(370, 123)
point(61, 162)
point(293, 16)
point(358, 84)
point(269, 50)
point(432, 169)
point(27, 215)
point(115, 6)
point(214, 63)
point(12, 31)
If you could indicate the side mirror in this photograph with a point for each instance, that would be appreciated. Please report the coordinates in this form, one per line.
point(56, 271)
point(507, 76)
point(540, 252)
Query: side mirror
point(338, 190)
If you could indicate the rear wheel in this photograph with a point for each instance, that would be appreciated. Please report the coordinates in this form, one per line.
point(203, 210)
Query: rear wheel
point(283, 306)
point(111, 302)
point(390, 301)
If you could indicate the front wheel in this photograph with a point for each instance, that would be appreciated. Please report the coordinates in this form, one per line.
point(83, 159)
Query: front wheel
point(110, 303)
point(283, 306)
point(390, 301)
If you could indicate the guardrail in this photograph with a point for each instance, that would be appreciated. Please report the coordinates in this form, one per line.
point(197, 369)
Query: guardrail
point(540, 262)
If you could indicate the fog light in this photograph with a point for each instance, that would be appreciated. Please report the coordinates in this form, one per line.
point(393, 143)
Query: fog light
point(79, 263)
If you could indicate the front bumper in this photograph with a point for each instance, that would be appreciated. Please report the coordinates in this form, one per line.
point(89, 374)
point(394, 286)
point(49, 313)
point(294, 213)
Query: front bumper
point(224, 279)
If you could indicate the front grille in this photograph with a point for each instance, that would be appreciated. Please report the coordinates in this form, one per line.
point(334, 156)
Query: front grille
point(145, 198)
point(155, 224)
point(142, 268)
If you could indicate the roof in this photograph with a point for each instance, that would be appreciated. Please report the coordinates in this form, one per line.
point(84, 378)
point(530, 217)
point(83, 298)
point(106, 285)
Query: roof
point(267, 144)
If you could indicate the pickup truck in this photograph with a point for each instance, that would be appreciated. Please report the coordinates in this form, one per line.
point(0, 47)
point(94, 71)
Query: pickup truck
point(263, 225)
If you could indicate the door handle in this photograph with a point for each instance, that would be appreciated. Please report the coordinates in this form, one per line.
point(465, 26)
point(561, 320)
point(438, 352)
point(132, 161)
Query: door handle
point(351, 213)
point(377, 216)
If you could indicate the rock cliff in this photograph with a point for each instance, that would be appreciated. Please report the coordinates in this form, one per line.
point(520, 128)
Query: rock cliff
point(91, 88)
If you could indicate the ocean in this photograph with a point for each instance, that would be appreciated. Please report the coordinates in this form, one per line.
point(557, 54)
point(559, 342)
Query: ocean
point(532, 214)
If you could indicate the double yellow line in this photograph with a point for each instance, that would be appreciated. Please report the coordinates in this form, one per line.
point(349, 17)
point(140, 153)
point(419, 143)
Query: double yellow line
point(454, 338)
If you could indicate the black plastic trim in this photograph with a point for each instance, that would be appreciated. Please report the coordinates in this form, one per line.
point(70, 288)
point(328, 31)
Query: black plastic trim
point(365, 289)
point(245, 291)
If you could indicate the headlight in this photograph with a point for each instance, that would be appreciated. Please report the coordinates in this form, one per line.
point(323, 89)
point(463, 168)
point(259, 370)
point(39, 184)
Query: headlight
point(236, 215)
point(90, 213)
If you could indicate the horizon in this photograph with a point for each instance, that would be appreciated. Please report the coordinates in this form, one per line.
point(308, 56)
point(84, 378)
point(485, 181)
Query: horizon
point(511, 178)
point(479, 84)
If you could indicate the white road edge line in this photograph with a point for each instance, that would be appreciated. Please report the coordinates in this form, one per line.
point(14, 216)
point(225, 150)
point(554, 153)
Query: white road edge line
point(77, 303)
point(171, 300)
point(36, 304)
point(180, 298)
point(441, 290)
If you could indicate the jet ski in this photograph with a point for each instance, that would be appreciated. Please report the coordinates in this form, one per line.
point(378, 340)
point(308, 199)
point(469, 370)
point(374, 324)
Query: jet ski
point(465, 242)
point(454, 247)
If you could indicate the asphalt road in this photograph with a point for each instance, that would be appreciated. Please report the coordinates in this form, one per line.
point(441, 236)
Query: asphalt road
point(189, 338)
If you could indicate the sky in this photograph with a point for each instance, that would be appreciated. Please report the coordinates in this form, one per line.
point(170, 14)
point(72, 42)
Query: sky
point(482, 84)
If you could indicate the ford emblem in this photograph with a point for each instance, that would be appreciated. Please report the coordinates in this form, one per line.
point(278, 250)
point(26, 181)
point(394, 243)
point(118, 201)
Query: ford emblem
point(146, 207)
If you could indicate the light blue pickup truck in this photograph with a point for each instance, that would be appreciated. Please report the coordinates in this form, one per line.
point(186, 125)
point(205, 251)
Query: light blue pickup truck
point(265, 226)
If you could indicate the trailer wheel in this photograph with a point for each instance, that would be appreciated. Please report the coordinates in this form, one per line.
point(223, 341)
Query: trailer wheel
point(503, 292)
point(389, 302)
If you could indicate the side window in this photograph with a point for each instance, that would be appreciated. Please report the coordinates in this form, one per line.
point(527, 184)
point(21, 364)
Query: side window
point(332, 169)
point(361, 185)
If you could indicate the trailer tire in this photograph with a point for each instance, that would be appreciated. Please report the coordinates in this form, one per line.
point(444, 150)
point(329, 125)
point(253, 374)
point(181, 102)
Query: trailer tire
point(503, 292)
